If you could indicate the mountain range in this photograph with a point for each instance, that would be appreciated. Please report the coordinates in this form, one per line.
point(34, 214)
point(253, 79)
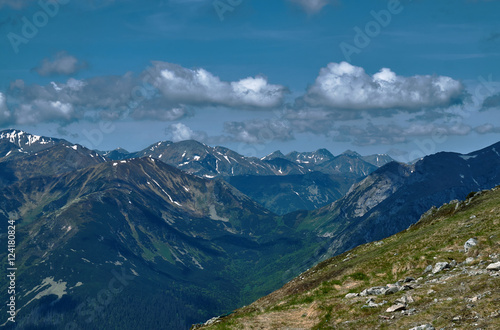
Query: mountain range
point(293, 177)
point(290, 179)
point(187, 247)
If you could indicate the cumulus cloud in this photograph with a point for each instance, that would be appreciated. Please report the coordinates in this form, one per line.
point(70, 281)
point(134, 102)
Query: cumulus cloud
point(5, 115)
point(72, 100)
point(311, 6)
point(344, 86)
point(164, 91)
point(109, 97)
point(181, 132)
point(486, 129)
point(43, 110)
point(202, 87)
point(259, 131)
point(61, 64)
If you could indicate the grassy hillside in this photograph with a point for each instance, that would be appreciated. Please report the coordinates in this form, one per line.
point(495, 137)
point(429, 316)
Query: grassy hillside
point(405, 268)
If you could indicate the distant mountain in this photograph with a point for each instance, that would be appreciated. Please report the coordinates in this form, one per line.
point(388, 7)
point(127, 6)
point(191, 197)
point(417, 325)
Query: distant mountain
point(378, 160)
point(27, 143)
point(351, 163)
point(182, 247)
point(210, 162)
point(309, 158)
point(393, 197)
point(285, 194)
point(23, 156)
point(322, 160)
point(260, 178)
point(117, 154)
point(199, 159)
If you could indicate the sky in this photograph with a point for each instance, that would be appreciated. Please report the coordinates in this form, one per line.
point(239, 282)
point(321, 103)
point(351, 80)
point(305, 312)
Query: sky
point(407, 78)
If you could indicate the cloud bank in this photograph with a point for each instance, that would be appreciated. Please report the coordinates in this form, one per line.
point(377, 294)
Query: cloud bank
point(61, 64)
point(202, 87)
point(344, 86)
point(164, 91)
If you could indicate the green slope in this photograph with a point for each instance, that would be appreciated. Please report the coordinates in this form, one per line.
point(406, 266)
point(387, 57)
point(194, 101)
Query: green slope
point(464, 296)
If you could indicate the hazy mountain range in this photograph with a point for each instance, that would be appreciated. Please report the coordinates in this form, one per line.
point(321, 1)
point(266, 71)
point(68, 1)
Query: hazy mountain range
point(181, 230)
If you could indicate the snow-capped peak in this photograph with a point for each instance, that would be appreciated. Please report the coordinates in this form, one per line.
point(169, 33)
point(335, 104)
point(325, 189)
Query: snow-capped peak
point(25, 140)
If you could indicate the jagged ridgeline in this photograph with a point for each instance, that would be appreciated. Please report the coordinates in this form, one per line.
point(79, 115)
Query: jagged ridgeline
point(134, 242)
point(281, 183)
point(441, 273)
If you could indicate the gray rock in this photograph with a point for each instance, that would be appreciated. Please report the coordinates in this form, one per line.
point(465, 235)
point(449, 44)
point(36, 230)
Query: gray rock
point(411, 311)
point(375, 291)
point(351, 295)
point(395, 308)
point(370, 303)
point(469, 260)
point(424, 327)
point(212, 320)
point(409, 286)
point(405, 300)
point(391, 290)
point(471, 242)
point(409, 279)
point(440, 266)
point(428, 269)
point(494, 266)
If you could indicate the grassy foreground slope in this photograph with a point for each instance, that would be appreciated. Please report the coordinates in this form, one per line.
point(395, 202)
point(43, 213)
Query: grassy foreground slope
point(402, 273)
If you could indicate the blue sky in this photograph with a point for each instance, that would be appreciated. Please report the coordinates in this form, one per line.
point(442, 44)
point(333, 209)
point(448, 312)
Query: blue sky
point(406, 78)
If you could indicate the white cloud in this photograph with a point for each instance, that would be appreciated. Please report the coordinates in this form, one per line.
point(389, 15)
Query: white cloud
point(61, 64)
point(486, 129)
point(311, 6)
point(43, 110)
point(181, 132)
point(4, 110)
point(165, 92)
point(199, 86)
point(344, 86)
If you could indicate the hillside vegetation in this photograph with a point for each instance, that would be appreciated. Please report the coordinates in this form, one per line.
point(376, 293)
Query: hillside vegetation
point(442, 272)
